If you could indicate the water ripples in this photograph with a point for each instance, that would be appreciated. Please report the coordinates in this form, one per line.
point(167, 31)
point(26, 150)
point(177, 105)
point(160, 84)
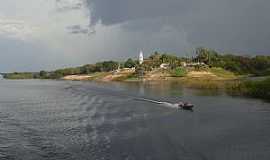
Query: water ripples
point(81, 121)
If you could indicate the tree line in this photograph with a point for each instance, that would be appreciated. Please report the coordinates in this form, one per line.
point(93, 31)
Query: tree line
point(256, 65)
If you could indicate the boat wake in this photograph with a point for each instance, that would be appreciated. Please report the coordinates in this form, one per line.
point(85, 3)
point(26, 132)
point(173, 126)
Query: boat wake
point(166, 104)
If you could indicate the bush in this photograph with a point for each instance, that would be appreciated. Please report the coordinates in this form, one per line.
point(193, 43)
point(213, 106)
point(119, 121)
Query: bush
point(222, 73)
point(260, 89)
point(257, 89)
point(179, 72)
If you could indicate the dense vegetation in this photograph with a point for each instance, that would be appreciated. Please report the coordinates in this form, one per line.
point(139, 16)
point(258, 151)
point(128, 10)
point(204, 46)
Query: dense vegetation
point(259, 89)
point(179, 72)
point(258, 65)
point(105, 66)
point(16, 75)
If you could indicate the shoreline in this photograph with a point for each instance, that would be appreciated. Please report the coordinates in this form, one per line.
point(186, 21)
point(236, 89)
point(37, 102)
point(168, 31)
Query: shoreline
point(157, 75)
point(254, 87)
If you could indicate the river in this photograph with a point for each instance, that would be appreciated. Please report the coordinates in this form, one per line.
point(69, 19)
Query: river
point(64, 120)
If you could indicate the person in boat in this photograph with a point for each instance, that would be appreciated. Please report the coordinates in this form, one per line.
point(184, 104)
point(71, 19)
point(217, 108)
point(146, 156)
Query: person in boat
point(181, 104)
point(185, 105)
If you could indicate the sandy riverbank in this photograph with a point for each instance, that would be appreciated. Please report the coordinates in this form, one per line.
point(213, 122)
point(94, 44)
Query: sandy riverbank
point(155, 75)
point(77, 77)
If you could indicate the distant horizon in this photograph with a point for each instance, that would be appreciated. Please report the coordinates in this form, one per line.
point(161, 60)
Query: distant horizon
point(122, 60)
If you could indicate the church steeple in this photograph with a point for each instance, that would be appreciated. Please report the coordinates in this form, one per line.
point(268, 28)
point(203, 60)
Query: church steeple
point(141, 57)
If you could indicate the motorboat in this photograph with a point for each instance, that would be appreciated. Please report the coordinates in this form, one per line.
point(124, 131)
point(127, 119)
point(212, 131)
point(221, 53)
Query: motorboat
point(179, 105)
point(185, 105)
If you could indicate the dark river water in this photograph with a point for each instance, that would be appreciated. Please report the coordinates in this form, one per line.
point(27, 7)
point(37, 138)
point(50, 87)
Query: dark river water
point(62, 120)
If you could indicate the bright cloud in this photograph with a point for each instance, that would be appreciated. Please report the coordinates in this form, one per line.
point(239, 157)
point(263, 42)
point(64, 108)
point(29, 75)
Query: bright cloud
point(16, 29)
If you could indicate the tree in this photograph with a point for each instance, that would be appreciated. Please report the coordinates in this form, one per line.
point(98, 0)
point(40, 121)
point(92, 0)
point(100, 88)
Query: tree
point(155, 60)
point(173, 61)
point(261, 62)
point(129, 63)
point(155, 56)
point(89, 68)
point(42, 74)
point(107, 66)
point(202, 55)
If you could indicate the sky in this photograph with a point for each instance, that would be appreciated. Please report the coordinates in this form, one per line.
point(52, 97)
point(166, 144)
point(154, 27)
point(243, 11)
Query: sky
point(48, 34)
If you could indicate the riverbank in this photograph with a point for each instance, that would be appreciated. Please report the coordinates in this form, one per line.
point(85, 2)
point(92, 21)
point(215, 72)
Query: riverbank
point(208, 78)
point(251, 88)
point(205, 79)
point(216, 74)
point(214, 79)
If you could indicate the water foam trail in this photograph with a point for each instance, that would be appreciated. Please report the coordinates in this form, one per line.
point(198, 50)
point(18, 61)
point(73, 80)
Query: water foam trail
point(166, 104)
point(116, 93)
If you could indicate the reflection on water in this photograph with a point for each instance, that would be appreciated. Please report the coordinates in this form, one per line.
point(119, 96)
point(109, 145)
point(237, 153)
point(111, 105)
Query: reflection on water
point(157, 88)
point(168, 89)
point(80, 120)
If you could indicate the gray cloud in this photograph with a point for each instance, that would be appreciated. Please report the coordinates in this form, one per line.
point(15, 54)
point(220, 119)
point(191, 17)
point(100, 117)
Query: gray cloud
point(231, 25)
point(77, 29)
point(118, 11)
point(67, 5)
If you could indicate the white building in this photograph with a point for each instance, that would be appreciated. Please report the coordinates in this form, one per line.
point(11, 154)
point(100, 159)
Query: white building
point(165, 65)
point(183, 64)
point(141, 57)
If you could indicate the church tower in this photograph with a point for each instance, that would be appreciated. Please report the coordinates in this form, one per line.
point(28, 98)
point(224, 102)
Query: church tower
point(141, 58)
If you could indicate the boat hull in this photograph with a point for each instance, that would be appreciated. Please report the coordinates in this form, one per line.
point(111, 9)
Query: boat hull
point(189, 107)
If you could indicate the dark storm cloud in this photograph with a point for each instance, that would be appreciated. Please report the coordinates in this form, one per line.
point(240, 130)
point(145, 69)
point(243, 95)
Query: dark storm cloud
point(227, 25)
point(117, 11)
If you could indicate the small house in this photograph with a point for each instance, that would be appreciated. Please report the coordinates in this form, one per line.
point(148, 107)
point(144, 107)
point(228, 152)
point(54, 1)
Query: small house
point(165, 65)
